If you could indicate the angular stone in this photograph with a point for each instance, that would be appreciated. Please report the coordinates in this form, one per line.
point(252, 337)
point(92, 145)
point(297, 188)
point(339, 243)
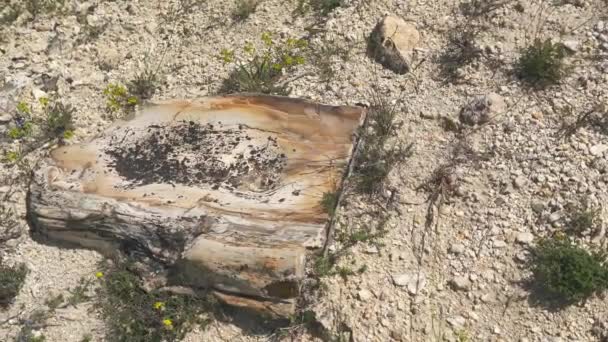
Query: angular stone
point(392, 43)
point(519, 182)
point(414, 282)
point(598, 150)
point(364, 295)
point(219, 193)
point(461, 283)
point(457, 248)
point(524, 238)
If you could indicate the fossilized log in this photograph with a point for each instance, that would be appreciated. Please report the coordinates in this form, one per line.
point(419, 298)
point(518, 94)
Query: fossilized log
point(224, 192)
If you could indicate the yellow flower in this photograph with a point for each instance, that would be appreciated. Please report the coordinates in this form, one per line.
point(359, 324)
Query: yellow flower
point(267, 38)
point(99, 275)
point(249, 48)
point(44, 101)
point(227, 56)
point(159, 305)
point(168, 323)
point(68, 134)
point(288, 60)
point(23, 108)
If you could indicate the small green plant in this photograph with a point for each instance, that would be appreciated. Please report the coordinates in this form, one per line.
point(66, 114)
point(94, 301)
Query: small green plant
point(24, 108)
point(144, 85)
point(244, 8)
point(119, 98)
point(59, 121)
point(30, 326)
point(479, 8)
point(582, 217)
point(22, 131)
point(10, 13)
point(566, 272)
point(8, 221)
point(323, 7)
point(374, 161)
point(461, 50)
point(134, 315)
point(462, 335)
point(344, 272)
point(329, 202)
point(323, 265)
point(37, 7)
point(322, 56)
point(262, 72)
point(80, 293)
point(87, 338)
point(11, 282)
point(595, 118)
point(542, 63)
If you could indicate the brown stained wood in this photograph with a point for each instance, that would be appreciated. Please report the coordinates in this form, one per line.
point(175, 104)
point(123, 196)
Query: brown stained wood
point(225, 190)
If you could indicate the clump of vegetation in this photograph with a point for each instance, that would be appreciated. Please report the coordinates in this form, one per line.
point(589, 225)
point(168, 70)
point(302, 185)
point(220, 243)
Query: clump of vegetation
point(11, 282)
point(38, 7)
point(56, 123)
point(461, 50)
point(595, 118)
point(566, 272)
point(322, 56)
point(179, 9)
point(478, 8)
point(13, 9)
point(23, 124)
point(135, 315)
point(323, 7)
point(323, 265)
point(263, 72)
point(329, 202)
point(374, 160)
point(143, 86)
point(146, 81)
point(542, 63)
point(119, 98)
point(87, 338)
point(583, 217)
point(10, 13)
point(58, 119)
point(244, 8)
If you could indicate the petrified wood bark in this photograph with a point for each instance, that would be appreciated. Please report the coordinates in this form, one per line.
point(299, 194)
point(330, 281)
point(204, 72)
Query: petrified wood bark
point(224, 192)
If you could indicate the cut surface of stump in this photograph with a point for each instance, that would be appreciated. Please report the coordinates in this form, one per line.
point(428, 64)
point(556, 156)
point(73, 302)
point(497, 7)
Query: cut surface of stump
point(221, 193)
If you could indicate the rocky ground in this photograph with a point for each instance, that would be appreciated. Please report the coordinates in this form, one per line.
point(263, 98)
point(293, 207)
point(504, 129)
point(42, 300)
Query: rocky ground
point(458, 276)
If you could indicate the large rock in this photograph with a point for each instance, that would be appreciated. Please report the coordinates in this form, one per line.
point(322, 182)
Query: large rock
point(392, 43)
point(221, 193)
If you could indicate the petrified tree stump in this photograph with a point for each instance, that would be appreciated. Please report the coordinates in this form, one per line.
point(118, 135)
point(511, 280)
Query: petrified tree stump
point(223, 192)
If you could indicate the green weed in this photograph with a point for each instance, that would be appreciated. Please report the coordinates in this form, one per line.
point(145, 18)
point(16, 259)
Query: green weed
point(38, 7)
point(135, 315)
point(566, 272)
point(542, 63)
point(329, 202)
point(323, 7)
point(244, 9)
point(11, 282)
point(263, 71)
point(374, 161)
point(119, 98)
point(582, 217)
point(59, 119)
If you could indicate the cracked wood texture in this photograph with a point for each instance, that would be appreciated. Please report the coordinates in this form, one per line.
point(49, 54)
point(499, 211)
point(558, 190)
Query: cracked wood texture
point(218, 193)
